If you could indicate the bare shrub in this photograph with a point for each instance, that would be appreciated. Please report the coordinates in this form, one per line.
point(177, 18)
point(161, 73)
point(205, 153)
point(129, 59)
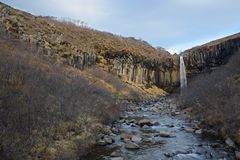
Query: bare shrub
point(42, 101)
point(215, 96)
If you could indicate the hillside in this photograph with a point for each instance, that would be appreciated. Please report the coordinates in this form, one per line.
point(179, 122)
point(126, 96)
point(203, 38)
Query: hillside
point(207, 57)
point(56, 90)
point(131, 60)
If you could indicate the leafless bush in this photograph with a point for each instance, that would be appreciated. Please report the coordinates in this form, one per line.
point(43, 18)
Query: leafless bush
point(215, 96)
point(40, 99)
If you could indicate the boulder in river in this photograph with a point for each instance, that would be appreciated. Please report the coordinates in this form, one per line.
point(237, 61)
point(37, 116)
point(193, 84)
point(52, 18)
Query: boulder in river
point(116, 158)
point(164, 134)
point(101, 142)
point(230, 143)
point(143, 122)
point(199, 131)
point(131, 145)
point(116, 153)
point(136, 139)
point(108, 140)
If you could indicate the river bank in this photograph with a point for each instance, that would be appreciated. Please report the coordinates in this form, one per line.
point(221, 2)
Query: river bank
point(157, 130)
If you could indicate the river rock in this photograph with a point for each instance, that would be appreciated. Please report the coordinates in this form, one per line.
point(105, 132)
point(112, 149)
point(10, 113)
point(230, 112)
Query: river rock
point(132, 121)
point(145, 127)
point(189, 130)
point(174, 113)
point(116, 153)
point(136, 139)
point(131, 145)
point(230, 143)
point(116, 158)
point(198, 131)
point(237, 154)
point(124, 136)
point(156, 123)
point(164, 134)
point(108, 140)
point(143, 122)
point(101, 142)
point(216, 145)
point(107, 130)
point(114, 130)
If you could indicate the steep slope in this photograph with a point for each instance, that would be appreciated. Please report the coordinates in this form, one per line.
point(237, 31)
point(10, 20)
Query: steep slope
point(215, 100)
point(210, 55)
point(132, 60)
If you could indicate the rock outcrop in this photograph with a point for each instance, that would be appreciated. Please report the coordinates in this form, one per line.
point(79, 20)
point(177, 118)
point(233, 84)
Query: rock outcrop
point(209, 56)
point(143, 71)
point(134, 61)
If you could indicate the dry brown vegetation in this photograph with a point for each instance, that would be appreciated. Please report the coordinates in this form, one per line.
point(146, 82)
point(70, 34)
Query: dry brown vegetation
point(48, 110)
point(215, 98)
point(66, 38)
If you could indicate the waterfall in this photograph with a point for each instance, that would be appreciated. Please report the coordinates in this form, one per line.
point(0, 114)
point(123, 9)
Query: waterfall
point(183, 77)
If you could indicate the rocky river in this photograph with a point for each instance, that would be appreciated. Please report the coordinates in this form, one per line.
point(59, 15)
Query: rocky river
point(157, 131)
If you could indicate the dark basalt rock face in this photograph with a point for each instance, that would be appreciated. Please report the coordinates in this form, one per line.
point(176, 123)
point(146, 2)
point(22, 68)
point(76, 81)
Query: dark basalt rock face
point(211, 55)
point(147, 69)
point(144, 71)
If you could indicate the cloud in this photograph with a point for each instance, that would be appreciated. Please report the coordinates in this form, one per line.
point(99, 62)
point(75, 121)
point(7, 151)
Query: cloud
point(173, 24)
point(91, 11)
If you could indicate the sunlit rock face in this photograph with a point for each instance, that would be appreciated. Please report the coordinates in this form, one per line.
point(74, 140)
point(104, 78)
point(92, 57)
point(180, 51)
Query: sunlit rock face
point(142, 71)
point(211, 55)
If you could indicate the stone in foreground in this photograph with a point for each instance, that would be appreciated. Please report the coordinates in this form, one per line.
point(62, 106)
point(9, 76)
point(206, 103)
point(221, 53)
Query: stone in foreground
point(131, 145)
point(164, 134)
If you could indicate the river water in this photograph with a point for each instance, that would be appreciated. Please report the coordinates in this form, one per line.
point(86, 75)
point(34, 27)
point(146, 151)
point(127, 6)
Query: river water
point(179, 139)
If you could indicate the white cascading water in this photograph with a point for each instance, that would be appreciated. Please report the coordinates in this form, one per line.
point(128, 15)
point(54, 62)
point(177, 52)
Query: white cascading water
point(183, 77)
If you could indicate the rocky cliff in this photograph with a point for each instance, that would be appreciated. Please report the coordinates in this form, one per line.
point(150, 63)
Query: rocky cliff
point(210, 55)
point(134, 61)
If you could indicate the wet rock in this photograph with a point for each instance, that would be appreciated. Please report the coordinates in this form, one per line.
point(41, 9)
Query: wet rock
point(155, 109)
point(168, 155)
point(174, 113)
point(115, 154)
point(125, 136)
point(230, 143)
point(215, 145)
point(116, 158)
point(108, 140)
point(160, 142)
point(170, 125)
point(156, 123)
point(132, 121)
point(106, 130)
point(237, 155)
point(133, 125)
point(122, 121)
point(143, 122)
point(164, 134)
point(147, 140)
point(131, 145)
point(145, 127)
point(114, 130)
point(136, 139)
point(190, 130)
point(198, 131)
point(101, 142)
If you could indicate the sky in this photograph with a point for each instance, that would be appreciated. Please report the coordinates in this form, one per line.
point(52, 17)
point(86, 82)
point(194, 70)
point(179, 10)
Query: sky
point(175, 25)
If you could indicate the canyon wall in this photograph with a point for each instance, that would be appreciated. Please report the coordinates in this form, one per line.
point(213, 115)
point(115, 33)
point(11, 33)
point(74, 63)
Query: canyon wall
point(133, 61)
point(211, 55)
